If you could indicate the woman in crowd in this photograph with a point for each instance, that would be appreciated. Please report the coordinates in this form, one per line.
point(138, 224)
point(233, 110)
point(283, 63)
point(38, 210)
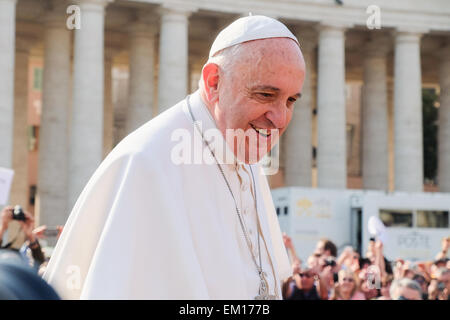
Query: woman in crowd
point(347, 287)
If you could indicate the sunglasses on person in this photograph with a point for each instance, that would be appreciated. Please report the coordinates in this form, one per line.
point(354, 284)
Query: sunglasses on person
point(307, 275)
point(420, 280)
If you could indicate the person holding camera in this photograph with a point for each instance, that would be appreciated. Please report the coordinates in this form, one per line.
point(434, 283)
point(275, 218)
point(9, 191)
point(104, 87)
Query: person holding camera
point(26, 221)
point(445, 244)
point(310, 284)
point(439, 288)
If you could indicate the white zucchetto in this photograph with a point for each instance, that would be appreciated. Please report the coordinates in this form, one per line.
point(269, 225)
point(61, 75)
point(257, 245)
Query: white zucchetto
point(250, 28)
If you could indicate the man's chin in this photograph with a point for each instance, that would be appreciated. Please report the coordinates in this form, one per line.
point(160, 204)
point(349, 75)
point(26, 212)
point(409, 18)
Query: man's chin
point(249, 147)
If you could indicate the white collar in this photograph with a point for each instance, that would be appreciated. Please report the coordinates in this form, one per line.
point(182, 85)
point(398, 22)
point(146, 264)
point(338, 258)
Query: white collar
point(202, 115)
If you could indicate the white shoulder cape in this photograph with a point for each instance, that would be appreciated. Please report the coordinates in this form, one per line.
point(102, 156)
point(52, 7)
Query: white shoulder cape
point(145, 228)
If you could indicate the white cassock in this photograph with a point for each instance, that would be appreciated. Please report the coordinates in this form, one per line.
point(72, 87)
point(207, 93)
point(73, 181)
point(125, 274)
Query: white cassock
point(146, 228)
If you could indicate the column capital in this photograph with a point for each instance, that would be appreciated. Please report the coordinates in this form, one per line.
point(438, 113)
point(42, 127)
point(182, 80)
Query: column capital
point(55, 16)
point(307, 37)
point(142, 29)
point(93, 4)
point(409, 34)
point(333, 25)
point(377, 45)
point(147, 16)
point(176, 8)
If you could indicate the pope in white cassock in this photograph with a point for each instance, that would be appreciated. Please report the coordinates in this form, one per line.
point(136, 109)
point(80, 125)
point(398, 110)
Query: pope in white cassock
point(180, 209)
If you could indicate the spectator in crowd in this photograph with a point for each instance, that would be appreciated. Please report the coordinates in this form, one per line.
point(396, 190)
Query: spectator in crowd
point(385, 287)
point(408, 270)
point(27, 226)
point(439, 287)
point(6, 216)
point(306, 287)
point(313, 260)
point(355, 277)
point(445, 244)
point(326, 247)
point(347, 287)
point(31, 250)
point(296, 262)
point(420, 279)
point(18, 281)
point(370, 280)
point(405, 289)
point(31, 244)
point(348, 259)
point(438, 264)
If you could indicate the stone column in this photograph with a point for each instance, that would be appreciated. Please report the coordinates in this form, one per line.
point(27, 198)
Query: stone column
point(86, 138)
point(444, 121)
point(108, 109)
point(297, 147)
point(53, 135)
point(140, 94)
point(19, 188)
point(173, 56)
point(7, 51)
point(331, 119)
point(408, 139)
point(374, 116)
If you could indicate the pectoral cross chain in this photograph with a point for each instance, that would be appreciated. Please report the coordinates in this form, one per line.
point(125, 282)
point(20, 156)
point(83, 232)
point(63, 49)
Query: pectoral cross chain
point(264, 288)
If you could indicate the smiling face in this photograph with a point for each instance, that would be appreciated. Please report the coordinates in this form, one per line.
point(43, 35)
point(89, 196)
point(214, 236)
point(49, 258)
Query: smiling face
point(256, 93)
point(346, 281)
point(305, 279)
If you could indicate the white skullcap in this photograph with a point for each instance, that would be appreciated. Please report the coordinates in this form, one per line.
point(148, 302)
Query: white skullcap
point(250, 28)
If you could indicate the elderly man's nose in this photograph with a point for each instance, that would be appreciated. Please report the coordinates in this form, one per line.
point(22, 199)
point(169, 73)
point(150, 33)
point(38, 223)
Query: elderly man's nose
point(278, 117)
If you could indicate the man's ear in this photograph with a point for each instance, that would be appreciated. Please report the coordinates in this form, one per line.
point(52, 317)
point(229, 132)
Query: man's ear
point(210, 78)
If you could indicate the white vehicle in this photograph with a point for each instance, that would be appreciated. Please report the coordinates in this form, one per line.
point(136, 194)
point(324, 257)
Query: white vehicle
point(415, 222)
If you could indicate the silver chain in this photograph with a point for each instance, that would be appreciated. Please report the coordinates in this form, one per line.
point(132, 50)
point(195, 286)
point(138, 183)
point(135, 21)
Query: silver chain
point(238, 211)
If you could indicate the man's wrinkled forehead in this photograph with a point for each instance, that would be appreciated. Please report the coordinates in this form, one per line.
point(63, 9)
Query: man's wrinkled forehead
point(260, 50)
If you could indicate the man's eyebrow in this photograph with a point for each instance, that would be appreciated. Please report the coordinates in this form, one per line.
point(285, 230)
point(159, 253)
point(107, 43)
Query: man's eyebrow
point(265, 88)
point(270, 88)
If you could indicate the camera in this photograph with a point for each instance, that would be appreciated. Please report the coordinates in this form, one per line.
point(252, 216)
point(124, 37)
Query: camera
point(18, 214)
point(330, 262)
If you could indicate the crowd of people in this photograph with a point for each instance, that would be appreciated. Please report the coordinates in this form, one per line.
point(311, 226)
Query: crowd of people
point(324, 276)
point(349, 276)
point(21, 269)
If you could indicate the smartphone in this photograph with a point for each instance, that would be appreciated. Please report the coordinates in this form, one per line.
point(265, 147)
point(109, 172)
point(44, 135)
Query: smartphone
point(51, 232)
